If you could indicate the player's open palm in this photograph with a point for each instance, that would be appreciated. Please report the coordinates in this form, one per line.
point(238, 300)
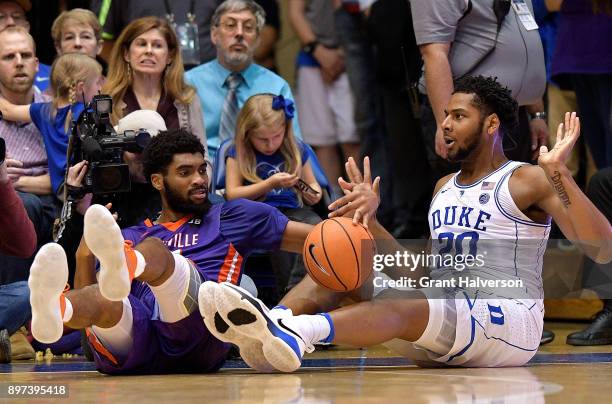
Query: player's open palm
point(567, 135)
point(361, 195)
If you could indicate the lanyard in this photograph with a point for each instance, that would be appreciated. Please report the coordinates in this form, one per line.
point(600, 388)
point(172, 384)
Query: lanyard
point(170, 14)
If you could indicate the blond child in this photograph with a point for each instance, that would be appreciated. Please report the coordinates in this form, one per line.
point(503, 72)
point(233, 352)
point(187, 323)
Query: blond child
point(75, 79)
point(267, 164)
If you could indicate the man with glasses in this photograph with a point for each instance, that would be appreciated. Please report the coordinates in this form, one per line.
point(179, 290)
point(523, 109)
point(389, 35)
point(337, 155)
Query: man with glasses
point(225, 83)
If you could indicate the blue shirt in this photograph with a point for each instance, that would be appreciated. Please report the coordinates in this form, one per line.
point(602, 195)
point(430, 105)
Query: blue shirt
point(267, 166)
point(208, 80)
point(54, 135)
point(41, 80)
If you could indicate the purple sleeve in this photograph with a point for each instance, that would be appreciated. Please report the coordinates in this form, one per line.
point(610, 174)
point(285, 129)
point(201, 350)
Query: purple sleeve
point(134, 233)
point(252, 225)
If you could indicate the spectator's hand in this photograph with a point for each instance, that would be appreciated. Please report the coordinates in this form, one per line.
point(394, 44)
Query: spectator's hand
point(14, 169)
point(76, 173)
point(4, 178)
point(440, 144)
point(567, 135)
point(283, 180)
point(331, 61)
point(539, 136)
point(311, 198)
point(361, 195)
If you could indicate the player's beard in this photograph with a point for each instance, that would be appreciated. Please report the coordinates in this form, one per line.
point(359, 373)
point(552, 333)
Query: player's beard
point(178, 203)
point(473, 141)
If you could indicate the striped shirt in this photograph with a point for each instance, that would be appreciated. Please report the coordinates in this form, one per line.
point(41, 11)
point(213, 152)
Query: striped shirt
point(25, 143)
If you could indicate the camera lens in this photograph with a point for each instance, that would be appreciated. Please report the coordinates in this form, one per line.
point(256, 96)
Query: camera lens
point(108, 178)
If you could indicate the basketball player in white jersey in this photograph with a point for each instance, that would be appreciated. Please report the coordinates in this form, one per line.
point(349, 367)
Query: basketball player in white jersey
point(489, 198)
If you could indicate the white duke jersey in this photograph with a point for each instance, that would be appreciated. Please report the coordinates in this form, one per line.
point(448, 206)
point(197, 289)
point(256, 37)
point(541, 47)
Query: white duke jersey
point(482, 219)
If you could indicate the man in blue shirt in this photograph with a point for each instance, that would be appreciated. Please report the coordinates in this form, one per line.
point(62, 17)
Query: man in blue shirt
point(225, 83)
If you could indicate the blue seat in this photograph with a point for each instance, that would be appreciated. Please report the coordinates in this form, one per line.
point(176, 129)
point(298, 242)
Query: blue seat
point(219, 169)
point(218, 182)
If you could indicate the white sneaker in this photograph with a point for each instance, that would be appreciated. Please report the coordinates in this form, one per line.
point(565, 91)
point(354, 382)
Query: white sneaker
point(250, 349)
point(48, 278)
point(104, 239)
point(251, 319)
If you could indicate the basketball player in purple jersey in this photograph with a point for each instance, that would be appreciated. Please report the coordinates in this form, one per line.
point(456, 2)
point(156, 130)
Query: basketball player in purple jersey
point(490, 198)
point(142, 316)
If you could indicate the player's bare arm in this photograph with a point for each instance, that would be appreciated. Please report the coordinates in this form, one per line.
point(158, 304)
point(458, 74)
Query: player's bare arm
point(294, 236)
point(549, 189)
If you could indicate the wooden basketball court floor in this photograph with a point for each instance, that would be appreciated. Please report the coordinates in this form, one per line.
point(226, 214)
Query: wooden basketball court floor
point(558, 373)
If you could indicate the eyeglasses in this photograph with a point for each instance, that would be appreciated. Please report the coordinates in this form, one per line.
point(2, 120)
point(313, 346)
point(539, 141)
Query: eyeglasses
point(231, 27)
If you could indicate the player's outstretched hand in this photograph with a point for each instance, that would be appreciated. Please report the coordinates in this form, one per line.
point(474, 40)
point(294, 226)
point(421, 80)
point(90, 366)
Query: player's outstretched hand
point(361, 194)
point(567, 135)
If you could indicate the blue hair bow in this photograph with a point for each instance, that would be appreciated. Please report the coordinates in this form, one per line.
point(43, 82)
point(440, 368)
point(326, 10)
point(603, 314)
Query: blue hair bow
point(279, 102)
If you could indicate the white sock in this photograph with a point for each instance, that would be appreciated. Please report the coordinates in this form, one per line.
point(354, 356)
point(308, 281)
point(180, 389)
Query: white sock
point(68, 311)
point(118, 339)
point(171, 294)
point(315, 329)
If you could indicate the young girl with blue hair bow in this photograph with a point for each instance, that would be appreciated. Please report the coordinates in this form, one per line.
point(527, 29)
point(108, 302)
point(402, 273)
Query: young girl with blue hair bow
point(268, 164)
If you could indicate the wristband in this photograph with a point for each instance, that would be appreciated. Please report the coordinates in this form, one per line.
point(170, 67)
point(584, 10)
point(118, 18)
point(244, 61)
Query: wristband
point(310, 47)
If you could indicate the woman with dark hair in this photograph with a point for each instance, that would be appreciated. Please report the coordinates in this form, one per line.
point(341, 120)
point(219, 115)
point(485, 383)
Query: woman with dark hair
point(146, 72)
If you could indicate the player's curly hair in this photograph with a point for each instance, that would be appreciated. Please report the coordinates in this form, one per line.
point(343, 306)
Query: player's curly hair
point(158, 154)
point(491, 97)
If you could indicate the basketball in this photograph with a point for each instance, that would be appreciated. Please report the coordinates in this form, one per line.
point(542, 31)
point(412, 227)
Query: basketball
point(338, 254)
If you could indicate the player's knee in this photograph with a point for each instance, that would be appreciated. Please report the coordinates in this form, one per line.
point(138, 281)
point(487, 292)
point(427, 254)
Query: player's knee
point(151, 243)
point(154, 250)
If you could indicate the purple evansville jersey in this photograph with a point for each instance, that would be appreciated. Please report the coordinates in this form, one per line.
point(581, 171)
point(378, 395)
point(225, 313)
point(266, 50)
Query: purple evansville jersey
point(219, 241)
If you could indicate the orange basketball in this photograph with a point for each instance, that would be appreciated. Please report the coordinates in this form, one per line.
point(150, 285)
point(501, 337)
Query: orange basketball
point(338, 254)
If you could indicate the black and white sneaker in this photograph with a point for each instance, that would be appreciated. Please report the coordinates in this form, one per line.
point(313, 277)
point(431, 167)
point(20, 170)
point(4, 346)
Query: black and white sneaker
point(250, 349)
point(282, 346)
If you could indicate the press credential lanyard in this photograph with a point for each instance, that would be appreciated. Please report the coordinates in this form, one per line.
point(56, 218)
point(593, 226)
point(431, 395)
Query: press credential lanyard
point(524, 15)
point(187, 34)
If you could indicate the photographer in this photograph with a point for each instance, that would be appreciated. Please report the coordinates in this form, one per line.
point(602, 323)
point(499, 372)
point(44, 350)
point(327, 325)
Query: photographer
point(131, 207)
point(17, 238)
